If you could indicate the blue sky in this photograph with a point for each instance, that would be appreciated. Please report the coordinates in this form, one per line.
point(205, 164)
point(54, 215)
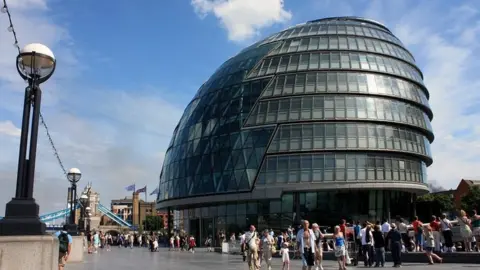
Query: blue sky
point(127, 70)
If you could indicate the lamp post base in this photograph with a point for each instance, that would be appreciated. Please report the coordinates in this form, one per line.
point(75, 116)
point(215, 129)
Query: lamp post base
point(21, 218)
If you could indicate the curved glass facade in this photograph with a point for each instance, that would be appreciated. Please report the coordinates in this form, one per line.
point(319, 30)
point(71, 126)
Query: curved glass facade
point(332, 103)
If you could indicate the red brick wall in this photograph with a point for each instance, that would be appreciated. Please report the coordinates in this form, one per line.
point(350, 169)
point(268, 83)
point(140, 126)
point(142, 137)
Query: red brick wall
point(462, 189)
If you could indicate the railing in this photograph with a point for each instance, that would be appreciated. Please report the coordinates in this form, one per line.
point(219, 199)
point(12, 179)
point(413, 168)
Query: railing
point(55, 215)
point(112, 216)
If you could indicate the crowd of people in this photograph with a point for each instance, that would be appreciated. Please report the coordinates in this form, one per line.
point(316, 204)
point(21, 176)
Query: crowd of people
point(97, 239)
point(361, 241)
point(358, 241)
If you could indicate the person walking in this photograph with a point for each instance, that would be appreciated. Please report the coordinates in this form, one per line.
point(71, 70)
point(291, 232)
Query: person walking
point(268, 244)
point(64, 247)
point(379, 244)
point(318, 246)
point(251, 245)
point(418, 230)
point(395, 239)
point(306, 243)
point(385, 229)
point(465, 230)
point(476, 228)
point(430, 245)
point(340, 248)
point(367, 244)
point(435, 225)
point(285, 253)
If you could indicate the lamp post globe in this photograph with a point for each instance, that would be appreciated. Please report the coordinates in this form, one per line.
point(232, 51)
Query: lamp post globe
point(74, 175)
point(36, 62)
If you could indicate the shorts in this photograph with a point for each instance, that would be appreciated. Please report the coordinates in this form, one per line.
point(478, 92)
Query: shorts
point(61, 259)
point(308, 258)
point(429, 249)
point(476, 231)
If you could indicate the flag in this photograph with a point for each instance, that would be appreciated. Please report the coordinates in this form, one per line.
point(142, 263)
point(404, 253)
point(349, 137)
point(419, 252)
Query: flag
point(130, 188)
point(142, 190)
point(155, 191)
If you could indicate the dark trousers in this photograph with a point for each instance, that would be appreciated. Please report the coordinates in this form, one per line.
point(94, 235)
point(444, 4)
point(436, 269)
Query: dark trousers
point(380, 256)
point(358, 244)
point(368, 255)
point(448, 238)
point(406, 241)
point(396, 248)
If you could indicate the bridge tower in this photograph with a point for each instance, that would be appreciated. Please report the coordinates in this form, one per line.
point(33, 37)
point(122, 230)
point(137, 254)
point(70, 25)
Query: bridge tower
point(95, 218)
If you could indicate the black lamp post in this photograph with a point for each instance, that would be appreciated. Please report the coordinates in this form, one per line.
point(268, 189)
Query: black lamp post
point(73, 177)
point(35, 64)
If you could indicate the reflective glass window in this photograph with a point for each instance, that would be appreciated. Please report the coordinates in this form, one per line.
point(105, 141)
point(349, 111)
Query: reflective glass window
point(362, 108)
point(344, 43)
point(357, 61)
point(320, 167)
point(349, 82)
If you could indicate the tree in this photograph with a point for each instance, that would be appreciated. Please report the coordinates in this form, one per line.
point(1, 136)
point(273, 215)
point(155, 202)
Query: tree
point(153, 223)
point(433, 204)
point(471, 200)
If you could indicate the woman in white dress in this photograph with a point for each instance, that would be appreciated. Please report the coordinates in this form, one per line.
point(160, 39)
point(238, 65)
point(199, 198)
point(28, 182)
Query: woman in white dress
point(465, 230)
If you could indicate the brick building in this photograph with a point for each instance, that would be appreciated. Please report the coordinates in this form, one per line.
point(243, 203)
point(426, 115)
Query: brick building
point(462, 189)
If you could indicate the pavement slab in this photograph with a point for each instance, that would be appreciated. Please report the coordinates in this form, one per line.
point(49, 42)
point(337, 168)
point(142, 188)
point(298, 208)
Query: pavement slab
point(141, 258)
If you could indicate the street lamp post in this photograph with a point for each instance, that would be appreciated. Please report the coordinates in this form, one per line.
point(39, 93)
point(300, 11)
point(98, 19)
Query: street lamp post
point(84, 203)
point(73, 177)
point(35, 64)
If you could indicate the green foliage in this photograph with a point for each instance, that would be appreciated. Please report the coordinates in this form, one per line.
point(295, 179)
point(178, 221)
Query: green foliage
point(433, 204)
point(471, 200)
point(153, 223)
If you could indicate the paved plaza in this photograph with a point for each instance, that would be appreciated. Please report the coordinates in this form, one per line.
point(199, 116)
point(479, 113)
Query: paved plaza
point(140, 258)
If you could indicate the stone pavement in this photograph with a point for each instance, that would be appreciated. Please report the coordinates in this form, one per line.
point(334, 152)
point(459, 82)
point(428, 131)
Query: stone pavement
point(141, 258)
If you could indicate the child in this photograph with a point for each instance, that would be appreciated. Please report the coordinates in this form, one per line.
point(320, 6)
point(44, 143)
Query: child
point(285, 252)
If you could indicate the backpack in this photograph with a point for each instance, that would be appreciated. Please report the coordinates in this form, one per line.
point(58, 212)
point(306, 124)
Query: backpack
point(63, 240)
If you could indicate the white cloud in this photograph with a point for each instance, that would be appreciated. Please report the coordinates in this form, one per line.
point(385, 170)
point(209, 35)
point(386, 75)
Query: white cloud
point(115, 136)
point(9, 129)
point(28, 4)
point(243, 19)
point(447, 52)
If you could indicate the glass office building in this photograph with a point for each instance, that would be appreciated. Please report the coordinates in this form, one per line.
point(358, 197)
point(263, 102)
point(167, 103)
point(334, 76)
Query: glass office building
point(325, 120)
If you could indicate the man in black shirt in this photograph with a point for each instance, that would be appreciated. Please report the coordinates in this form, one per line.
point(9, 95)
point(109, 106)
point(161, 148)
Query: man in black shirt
point(395, 239)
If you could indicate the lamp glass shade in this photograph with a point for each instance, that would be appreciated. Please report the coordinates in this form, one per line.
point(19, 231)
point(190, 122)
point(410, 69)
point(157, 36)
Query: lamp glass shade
point(74, 175)
point(36, 61)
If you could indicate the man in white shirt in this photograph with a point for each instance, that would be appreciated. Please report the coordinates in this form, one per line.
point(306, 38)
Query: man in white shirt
point(385, 229)
point(306, 248)
point(251, 244)
point(367, 244)
point(446, 226)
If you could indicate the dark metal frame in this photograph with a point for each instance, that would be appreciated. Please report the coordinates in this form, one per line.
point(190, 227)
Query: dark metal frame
point(21, 213)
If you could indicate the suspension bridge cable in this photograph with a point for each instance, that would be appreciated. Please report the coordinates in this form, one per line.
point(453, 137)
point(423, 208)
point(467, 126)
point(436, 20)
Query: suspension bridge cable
point(11, 29)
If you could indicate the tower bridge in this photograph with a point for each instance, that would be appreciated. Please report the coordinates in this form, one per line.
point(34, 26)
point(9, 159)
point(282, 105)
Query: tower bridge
point(97, 212)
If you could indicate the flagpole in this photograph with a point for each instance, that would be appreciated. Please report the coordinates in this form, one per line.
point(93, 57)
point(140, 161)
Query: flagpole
point(146, 194)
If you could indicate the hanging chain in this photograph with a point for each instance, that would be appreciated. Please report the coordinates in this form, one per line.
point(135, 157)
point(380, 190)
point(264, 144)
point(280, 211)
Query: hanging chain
point(52, 144)
point(10, 28)
point(5, 9)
